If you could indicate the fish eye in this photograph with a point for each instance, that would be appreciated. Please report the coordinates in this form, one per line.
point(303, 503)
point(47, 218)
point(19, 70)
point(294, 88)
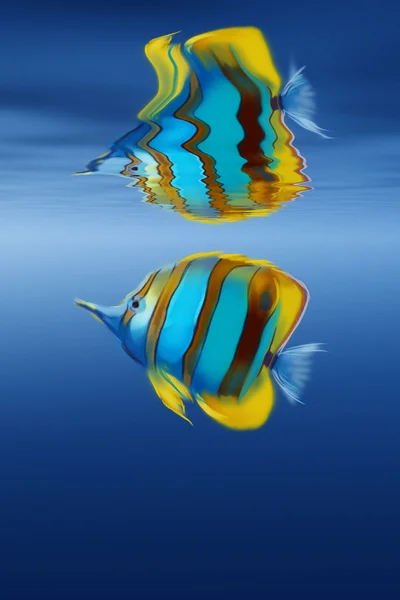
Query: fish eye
point(136, 303)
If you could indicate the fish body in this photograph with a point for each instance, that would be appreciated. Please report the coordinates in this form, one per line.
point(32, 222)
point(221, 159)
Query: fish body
point(210, 328)
point(213, 144)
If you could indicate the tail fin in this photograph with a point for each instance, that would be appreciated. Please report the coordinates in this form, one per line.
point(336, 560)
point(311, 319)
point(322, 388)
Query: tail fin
point(292, 369)
point(297, 100)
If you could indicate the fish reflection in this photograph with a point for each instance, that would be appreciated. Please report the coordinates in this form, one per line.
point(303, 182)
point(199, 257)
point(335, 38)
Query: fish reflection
point(213, 144)
point(211, 328)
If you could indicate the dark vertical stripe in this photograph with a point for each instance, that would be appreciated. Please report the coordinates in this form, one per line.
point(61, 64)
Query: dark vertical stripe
point(250, 109)
point(160, 311)
point(262, 301)
point(217, 276)
point(215, 190)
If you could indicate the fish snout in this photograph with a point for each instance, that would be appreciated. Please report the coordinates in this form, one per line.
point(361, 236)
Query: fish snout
point(111, 316)
point(89, 306)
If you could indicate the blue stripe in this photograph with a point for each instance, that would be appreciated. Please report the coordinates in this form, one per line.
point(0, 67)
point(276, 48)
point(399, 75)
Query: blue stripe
point(265, 343)
point(182, 315)
point(218, 110)
point(224, 331)
point(173, 134)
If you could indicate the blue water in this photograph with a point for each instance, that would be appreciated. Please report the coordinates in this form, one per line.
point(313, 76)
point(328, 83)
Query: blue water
point(105, 494)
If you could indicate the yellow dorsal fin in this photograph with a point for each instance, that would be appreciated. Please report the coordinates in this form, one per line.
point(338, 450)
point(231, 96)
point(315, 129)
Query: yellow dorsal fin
point(244, 44)
point(170, 391)
point(251, 412)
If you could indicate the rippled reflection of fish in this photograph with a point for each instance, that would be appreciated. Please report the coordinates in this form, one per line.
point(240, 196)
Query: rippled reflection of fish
point(213, 144)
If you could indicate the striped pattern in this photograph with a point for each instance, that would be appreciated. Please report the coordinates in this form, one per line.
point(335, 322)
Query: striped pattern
point(137, 329)
point(209, 145)
point(182, 315)
point(141, 293)
point(216, 279)
point(248, 115)
point(160, 312)
point(211, 319)
point(261, 304)
point(224, 331)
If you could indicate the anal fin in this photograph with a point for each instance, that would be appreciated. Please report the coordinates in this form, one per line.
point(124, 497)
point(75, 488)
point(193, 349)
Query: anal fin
point(250, 412)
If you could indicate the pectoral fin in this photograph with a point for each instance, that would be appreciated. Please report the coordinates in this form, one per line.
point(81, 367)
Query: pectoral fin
point(251, 412)
point(171, 392)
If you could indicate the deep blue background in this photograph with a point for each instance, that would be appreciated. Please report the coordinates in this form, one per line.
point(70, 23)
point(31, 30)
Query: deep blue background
point(105, 493)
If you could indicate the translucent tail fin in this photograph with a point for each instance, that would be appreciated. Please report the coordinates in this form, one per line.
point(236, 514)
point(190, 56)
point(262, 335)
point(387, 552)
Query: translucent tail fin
point(297, 100)
point(292, 370)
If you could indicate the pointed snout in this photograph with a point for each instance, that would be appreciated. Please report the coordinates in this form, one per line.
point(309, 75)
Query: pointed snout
point(94, 309)
point(111, 316)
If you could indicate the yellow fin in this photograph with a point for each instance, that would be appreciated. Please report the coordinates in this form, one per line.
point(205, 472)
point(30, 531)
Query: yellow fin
point(241, 258)
point(293, 300)
point(170, 391)
point(172, 71)
point(251, 412)
point(245, 45)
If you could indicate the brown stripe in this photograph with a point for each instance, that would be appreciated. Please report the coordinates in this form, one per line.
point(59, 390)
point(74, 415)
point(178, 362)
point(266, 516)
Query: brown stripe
point(186, 113)
point(262, 301)
point(160, 311)
point(250, 109)
point(142, 293)
point(131, 166)
point(215, 190)
point(217, 276)
point(147, 285)
point(128, 314)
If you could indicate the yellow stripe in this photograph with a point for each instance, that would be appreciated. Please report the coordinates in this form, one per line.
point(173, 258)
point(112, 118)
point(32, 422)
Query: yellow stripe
point(186, 113)
point(172, 70)
point(218, 274)
point(160, 312)
point(127, 317)
point(293, 299)
point(287, 163)
point(142, 293)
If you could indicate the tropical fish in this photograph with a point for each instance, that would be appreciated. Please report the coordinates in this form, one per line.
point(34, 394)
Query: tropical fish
point(211, 328)
point(213, 144)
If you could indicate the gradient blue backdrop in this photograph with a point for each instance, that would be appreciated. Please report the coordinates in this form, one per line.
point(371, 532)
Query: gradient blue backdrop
point(105, 494)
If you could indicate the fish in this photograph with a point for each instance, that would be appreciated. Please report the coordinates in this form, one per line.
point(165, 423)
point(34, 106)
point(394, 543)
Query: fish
point(213, 144)
point(211, 329)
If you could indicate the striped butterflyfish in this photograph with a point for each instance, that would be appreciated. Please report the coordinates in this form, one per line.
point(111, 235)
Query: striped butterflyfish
point(211, 329)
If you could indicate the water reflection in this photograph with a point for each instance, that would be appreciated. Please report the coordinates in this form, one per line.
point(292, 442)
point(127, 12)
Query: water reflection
point(212, 144)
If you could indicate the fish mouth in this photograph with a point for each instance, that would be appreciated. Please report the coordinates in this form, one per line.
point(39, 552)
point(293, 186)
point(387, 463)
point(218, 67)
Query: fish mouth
point(83, 304)
point(111, 316)
point(90, 307)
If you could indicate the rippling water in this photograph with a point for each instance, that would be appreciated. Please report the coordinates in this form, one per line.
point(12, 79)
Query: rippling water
point(105, 493)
